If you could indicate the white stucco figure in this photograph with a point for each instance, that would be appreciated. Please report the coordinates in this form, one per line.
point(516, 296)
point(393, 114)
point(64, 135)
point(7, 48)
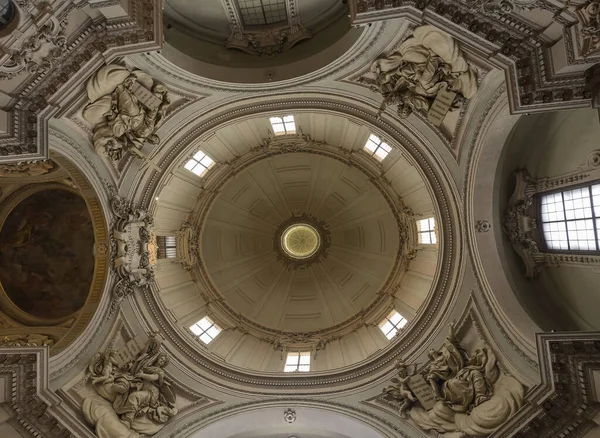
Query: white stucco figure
point(133, 399)
point(412, 75)
point(126, 107)
point(472, 396)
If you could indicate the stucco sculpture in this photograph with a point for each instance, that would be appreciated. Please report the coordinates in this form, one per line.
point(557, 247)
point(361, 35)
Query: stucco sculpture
point(458, 394)
point(126, 107)
point(131, 236)
point(424, 65)
point(133, 398)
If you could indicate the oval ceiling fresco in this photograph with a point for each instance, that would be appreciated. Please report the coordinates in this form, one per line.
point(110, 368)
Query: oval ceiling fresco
point(46, 254)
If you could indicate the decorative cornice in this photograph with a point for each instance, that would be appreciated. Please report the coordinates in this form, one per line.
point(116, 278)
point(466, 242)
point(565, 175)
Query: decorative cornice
point(24, 371)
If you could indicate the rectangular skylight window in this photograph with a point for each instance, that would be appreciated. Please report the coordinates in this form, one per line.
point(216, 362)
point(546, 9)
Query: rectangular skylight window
point(261, 12)
point(199, 163)
point(426, 229)
point(377, 148)
point(206, 330)
point(283, 125)
point(571, 219)
point(297, 362)
point(392, 324)
point(167, 247)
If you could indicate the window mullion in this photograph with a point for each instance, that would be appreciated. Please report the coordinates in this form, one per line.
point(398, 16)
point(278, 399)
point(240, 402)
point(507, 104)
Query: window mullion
point(564, 211)
point(593, 216)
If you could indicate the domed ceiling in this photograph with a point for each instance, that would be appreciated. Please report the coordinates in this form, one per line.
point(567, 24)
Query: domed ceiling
point(240, 244)
point(248, 41)
point(303, 241)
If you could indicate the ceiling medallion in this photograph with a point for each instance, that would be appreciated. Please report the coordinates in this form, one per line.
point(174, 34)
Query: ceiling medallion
point(301, 241)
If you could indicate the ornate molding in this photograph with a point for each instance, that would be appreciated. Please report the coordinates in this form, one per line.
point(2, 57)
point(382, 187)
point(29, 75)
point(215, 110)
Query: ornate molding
point(30, 403)
point(565, 403)
point(589, 23)
point(42, 50)
point(130, 259)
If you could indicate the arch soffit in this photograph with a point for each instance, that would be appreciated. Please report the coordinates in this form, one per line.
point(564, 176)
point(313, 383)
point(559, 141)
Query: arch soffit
point(93, 184)
point(484, 144)
point(427, 161)
point(347, 418)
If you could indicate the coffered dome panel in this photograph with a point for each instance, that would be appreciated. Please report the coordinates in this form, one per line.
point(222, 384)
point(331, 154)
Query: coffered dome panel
point(238, 242)
point(368, 261)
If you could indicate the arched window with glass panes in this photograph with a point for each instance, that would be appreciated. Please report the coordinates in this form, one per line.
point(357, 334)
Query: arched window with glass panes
point(553, 222)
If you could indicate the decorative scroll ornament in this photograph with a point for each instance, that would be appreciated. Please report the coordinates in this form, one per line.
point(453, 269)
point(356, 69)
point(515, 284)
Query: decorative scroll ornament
point(458, 393)
point(428, 68)
point(39, 52)
point(267, 42)
point(28, 168)
point(589, 21)
point(126, 107)
point(131, 260)
point(188, 252)
point(133, 396)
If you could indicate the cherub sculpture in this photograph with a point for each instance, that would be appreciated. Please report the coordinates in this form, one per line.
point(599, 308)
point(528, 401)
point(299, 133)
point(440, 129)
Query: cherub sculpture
point(400, 391)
